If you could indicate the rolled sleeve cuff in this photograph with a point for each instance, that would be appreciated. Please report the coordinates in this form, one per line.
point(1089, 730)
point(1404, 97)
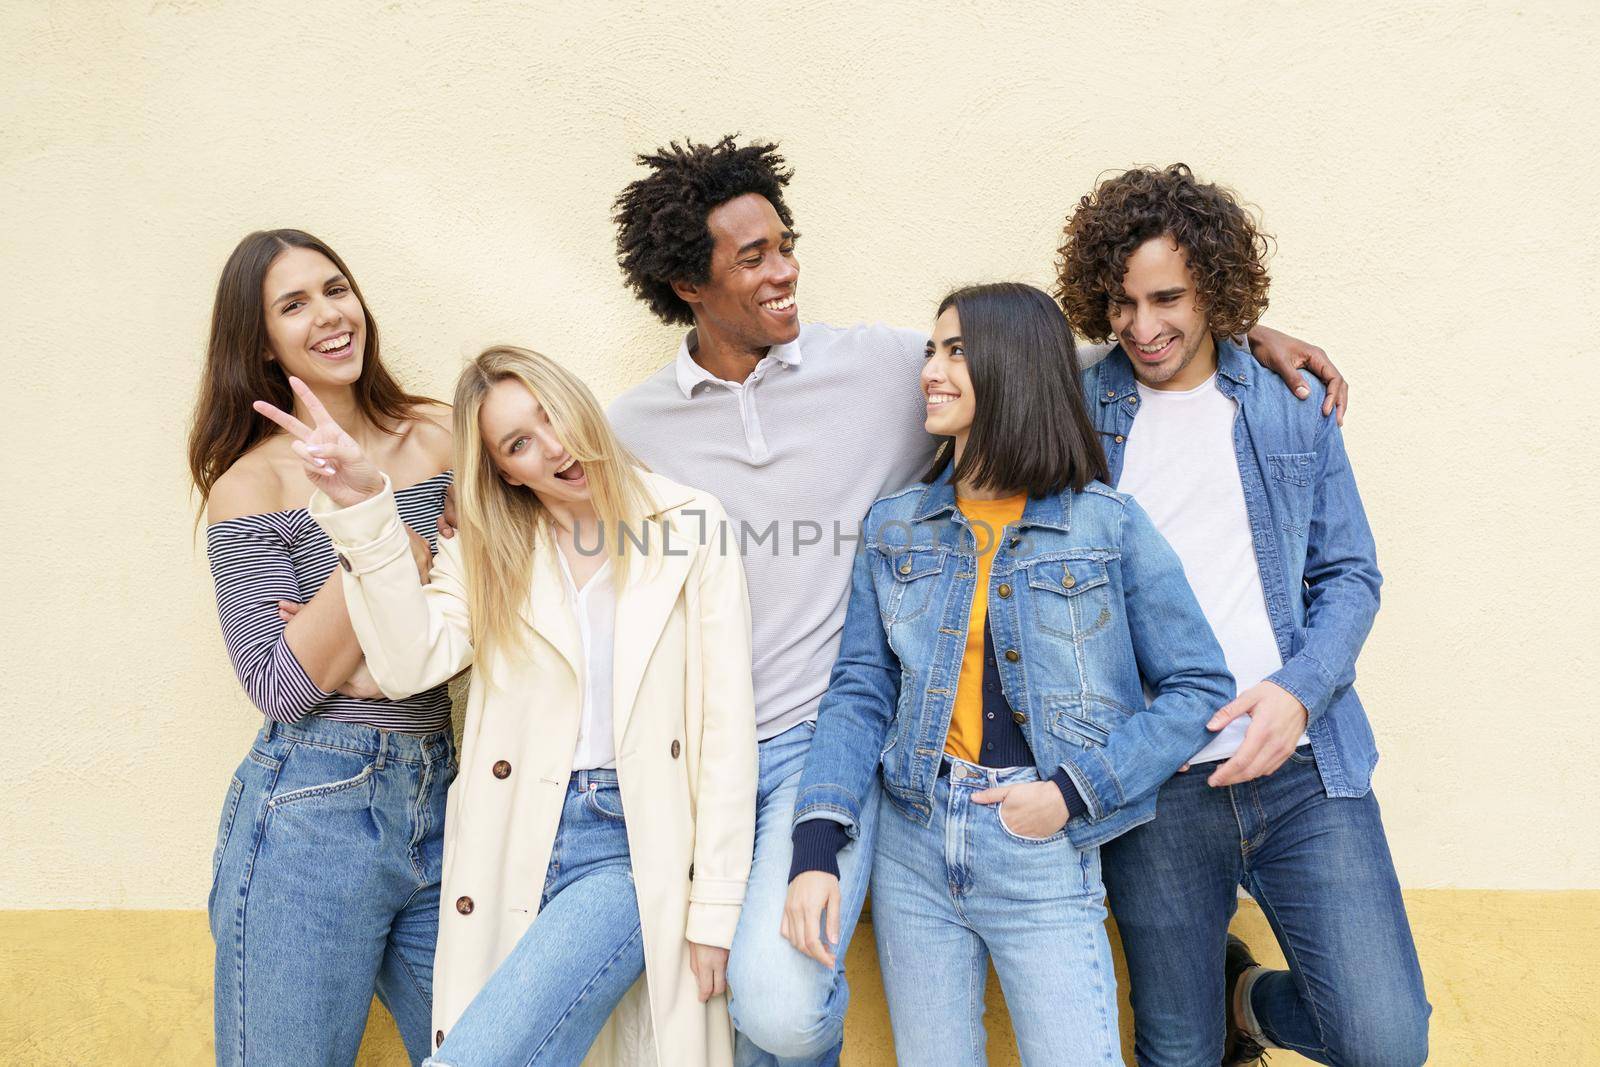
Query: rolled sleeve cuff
point(712, 924)
point(828, 802)
point(365, 536)
point(1097, 787)
point(1304, 679)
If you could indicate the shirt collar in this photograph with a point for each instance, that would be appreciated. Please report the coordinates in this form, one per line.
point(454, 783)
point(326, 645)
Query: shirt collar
point(691, 374)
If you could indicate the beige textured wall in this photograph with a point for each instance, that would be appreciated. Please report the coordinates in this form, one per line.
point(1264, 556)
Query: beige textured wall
point(1428, 173)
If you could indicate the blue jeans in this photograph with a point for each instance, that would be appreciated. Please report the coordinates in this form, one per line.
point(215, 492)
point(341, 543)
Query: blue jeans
point(325, 889)
point(1319, 866)
point(787, 1008)
point(546, 1003)
point(948, 896)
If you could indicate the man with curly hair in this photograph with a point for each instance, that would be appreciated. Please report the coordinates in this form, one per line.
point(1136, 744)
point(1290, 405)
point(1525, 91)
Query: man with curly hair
point(797, 429)
point(1255, 493)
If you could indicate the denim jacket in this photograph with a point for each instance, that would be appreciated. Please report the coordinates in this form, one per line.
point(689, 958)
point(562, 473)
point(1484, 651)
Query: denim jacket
point(1087, 603)
point(1319, 567)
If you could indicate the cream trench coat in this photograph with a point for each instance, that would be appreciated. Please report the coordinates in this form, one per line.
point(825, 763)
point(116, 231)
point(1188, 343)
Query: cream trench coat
point(684, 719)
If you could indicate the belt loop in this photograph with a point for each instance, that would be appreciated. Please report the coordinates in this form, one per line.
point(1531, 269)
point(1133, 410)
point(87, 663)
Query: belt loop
point(267, 731)
point(383, 745)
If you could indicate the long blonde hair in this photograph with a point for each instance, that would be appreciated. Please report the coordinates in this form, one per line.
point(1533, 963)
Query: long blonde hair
point(500, 524)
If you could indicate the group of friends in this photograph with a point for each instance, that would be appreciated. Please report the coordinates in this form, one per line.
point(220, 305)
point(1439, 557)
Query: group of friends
point(1010, 628)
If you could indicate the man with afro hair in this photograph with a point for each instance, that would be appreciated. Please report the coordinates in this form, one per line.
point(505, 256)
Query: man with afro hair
point(1255, 493)
point(797, 429)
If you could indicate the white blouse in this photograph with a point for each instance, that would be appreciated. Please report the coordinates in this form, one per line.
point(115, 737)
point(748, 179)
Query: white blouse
point(596, 609)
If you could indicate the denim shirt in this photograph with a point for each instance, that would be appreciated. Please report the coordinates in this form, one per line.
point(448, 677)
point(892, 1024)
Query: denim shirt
point(1318, 563)
point(1087, 604)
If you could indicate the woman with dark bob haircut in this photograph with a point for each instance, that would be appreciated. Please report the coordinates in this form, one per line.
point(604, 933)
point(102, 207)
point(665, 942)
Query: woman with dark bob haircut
point(325, 878)
point(1005, 618)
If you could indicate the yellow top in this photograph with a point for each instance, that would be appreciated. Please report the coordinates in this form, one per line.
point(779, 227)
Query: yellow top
point(988, 519)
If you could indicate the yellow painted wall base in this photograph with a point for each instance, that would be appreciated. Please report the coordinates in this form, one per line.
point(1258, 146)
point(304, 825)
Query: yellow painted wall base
point(1513, 977)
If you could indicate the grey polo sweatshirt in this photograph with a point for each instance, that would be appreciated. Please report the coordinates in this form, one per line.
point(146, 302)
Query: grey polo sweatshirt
point(797, 453)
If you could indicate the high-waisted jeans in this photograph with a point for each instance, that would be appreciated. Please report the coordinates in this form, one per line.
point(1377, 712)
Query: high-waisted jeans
point(547, 1001)
point(948, 896)
point(325, 890)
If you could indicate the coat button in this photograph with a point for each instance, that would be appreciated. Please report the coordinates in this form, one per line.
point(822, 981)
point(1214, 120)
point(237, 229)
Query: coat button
point(502, 769)
point(905, 568)
point(676, 748)
point(1005, 591)
point(438, 1038)
point(344, 561)
point(464, 905)
point(1068, 581)
point(1012, 655)
point(1019, 717)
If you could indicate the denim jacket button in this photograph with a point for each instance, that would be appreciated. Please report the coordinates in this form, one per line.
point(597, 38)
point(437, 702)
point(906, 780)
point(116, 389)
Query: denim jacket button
point(1118, 438)
point(1068, 581)
point(905, 568)
point(1012, 655)
point(1019, 717)
point(1005, 591)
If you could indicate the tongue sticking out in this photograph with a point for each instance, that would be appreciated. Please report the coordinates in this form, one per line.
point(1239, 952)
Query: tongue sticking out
point(572, 473)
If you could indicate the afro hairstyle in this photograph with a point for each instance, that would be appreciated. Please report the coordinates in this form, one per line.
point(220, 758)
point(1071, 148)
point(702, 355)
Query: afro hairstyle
point(662, 235)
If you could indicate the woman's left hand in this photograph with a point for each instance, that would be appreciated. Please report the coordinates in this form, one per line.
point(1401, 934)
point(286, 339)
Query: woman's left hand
point(1028, 809)
point(710, 967)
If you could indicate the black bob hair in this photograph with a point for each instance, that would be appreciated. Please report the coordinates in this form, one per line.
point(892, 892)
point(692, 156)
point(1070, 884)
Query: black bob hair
point(661, 218)
point(1031, 431)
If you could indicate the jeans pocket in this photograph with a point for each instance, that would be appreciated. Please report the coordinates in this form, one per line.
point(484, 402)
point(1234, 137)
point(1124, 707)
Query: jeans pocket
point(320, 789)
point(1000, 816)
point(1303, 754)
point(230, 808)
point(605, 801)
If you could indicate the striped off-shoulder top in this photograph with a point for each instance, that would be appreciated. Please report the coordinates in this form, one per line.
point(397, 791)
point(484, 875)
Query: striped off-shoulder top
point(258, 560)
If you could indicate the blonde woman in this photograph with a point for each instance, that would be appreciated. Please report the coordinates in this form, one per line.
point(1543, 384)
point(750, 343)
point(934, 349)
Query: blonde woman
point(602, 822)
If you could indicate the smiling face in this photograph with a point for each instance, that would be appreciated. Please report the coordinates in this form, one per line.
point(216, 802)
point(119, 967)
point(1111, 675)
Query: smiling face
point(749, 300)
point(519, 437)
point(946, 381)
point(1160, 322)
point(316, 326)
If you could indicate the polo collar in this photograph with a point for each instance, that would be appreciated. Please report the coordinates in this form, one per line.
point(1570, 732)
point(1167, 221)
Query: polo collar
point(691, 374)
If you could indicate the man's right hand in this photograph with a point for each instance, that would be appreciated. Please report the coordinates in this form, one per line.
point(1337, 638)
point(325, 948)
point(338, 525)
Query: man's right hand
point(811, 895)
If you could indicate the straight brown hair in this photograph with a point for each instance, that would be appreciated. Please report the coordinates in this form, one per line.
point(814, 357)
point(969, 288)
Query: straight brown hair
point(238, 372)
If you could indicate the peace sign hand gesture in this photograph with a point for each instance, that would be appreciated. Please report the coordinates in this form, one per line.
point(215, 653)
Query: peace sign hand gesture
point(332, 459)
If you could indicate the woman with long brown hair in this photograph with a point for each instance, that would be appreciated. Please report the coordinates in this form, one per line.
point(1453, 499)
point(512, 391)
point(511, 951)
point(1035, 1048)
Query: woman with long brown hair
point(325, 879)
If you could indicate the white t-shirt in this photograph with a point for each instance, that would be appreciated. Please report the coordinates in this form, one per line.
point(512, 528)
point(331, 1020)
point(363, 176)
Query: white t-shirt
point(1181, 467)
point(596, 609)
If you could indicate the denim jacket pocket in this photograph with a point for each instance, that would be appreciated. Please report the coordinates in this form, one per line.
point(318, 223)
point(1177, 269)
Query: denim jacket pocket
point(1292, 477)
point(1071, 597)
point(913, 573)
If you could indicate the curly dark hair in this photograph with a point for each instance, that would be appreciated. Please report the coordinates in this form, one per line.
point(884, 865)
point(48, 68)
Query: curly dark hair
point(1218, 236)
point(661, 219)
